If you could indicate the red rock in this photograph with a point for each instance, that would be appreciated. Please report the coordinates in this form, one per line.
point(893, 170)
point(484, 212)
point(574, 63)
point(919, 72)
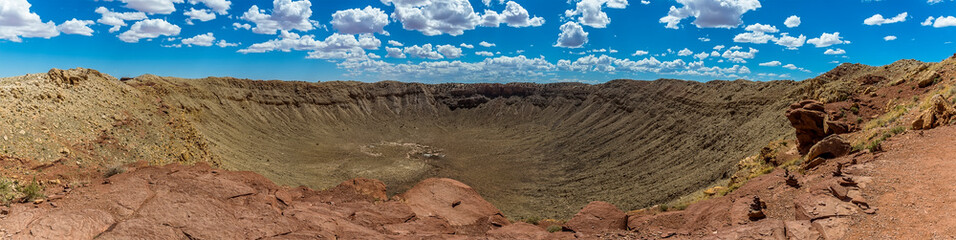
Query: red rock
point(597, 217)
point(765, 229)
point(448, 199)
point(807, 117)
point(368, 187)
point(801, 230)
point(519, 230)
point(830, 147)
point(940, 113)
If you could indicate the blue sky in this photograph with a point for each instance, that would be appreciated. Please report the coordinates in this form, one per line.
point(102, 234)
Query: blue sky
point(440, 40)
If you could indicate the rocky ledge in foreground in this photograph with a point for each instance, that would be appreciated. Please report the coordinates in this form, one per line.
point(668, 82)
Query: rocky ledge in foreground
point(199, 202)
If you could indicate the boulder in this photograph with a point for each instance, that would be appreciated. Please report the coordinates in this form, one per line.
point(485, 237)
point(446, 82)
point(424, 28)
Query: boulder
point(940, 113)
point(597, 217)
point(451, 200)
point(830, 147)
point(368, 187)
point(807, 117)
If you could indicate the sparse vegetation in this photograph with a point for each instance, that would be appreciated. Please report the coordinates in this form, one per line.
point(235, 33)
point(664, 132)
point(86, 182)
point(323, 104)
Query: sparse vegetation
point(7, 191)
point(554, 228)
point(31, 191)
point(532, 220)
point(113, 170)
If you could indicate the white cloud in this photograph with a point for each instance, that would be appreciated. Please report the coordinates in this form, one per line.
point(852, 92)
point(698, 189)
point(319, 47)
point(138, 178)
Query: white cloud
point(450, 17)
point(394, 53)
point(485, 53)
point(703, 39)
point(360, 21)
point(702, 55)
point(395, 43)
point(449, 51)
point(572, 36)
point(220, 6)
point(149, 28)
point(17, 21)
point(153, 6)
point(941, 21)
point(514, 15)
point(223, 44)
point(286, 15)
point(336, 46)
point(78, 27)
point(685, 52)
point(790, 66)
point(929, 21)
point(835, 52)
point(734, 55)
point(469, 46)
point(827, 39)
point(771, 64)
point(878, 19)
point(245, 26)
point(889, 38)
point(762, 28)
point(116, 19)
point(790, 42)
point(639, 53)
point(486, 44)
point(753, 37)
point(202, 15)
point(710, 13)
point(423, 51)
point(204, 40)
point(591, 14)
point(792, 21)
point(718, 47)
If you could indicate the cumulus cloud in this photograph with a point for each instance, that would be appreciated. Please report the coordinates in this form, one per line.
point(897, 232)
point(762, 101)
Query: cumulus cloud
point(286, 15)
point(395, 43)
point(486, 44)
point(469, 46)
point(153, 6)
point(484, 53)
point(78, 27)
point(423, 51)
point(336, 46)
point(710, 13)
point(639, 53)
point(223, 44)
point(790, 66)
point(753, 37)
point(201, 15)
point(572, 36)
point(117, 19)
point(149, 28)
point(878, 19)
point(790, 42)
point(219, 6)
point(449, 51)
point(360, 21)
point(450, 17)
point(204, 40)
point(514, 15)
point(394, 52)
point(771, 64)
point(941, 21)
point(16, 22)
point(889, 38)
point(792, 21)
point(591, 13)
point(835, 52)
point(735, 55)
point(827, 39)
point(685, 52)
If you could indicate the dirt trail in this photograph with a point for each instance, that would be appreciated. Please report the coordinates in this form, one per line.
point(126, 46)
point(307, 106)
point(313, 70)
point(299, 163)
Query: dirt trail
point(914, 187)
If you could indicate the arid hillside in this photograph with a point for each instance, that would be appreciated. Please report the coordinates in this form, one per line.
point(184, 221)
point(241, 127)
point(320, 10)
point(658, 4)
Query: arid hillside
point(542, 150)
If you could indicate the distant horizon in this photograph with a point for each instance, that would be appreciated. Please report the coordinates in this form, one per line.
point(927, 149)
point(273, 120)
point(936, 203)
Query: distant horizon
point(470, 41)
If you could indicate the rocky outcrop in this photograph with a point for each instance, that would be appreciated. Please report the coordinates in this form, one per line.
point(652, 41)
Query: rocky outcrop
point(832, 146)
point(939, 113)
point(597, 217)
point(453, 201)
point(808, 118)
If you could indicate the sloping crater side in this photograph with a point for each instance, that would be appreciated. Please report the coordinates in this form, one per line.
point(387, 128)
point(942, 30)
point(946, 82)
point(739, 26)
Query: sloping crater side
point(541, 150)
